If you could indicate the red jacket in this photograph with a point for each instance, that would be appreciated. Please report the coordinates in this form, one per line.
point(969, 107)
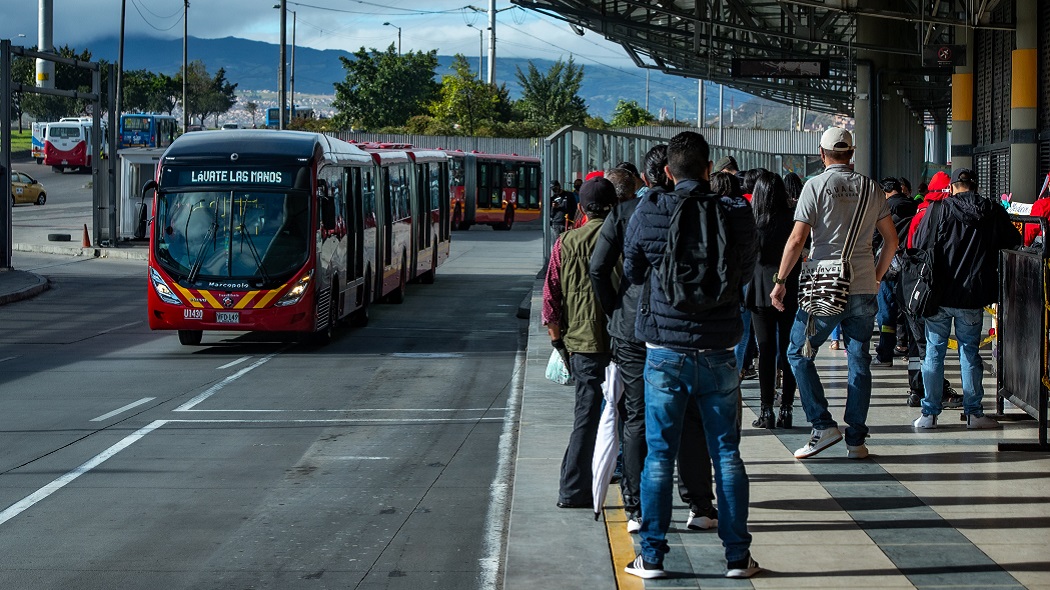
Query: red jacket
point(1041, 208)
point(938, 185)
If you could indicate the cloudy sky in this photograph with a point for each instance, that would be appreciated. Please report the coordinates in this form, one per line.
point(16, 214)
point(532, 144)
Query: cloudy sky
point(321, 24)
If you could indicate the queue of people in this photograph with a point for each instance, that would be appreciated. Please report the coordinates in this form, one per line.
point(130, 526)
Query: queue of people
point(677, 269)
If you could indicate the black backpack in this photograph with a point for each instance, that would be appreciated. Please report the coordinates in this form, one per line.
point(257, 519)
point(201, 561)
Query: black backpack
point(695, 271)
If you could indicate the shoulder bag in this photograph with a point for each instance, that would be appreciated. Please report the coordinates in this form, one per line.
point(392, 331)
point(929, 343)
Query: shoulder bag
point(915, 279)
point(824, 284)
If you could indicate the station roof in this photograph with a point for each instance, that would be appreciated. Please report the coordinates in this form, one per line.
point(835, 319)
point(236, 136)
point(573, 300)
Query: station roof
point(701, 39)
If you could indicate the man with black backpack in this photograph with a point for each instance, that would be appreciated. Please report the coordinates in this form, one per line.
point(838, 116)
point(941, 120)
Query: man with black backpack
point(699, 247)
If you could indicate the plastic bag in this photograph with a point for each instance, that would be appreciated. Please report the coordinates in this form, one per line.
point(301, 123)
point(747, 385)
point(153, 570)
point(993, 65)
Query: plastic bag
point(557, 371)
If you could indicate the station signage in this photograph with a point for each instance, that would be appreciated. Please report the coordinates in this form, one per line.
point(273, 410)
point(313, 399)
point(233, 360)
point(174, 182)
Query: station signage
point(780, 68)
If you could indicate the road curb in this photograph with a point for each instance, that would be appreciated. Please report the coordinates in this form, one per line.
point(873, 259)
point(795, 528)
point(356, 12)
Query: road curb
point(40, 284)
point(119, 253)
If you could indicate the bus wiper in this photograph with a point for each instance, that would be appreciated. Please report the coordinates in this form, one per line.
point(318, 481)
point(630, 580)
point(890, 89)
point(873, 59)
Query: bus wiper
point(198, 260)
point(255, 253)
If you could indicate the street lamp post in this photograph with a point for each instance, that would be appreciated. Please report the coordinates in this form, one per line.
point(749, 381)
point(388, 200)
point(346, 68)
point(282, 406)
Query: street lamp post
point(282, 92)
point(291, 93)
point(481, 47)
point(398, 36)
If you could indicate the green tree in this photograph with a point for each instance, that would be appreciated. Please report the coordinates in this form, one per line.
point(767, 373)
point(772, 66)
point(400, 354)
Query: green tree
point(207, 95)
point(252, 107)
point(463, 99)
point(149, 92)
point(552, 98)
point(628, 113)
point(384, 89)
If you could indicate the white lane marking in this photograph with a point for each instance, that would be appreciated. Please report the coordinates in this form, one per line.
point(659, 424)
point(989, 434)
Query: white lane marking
point(499, 490)
point(230, 379)
point(144, 400)
point(128, 325)
point(10, 358)
point(27, 502)
point(361, 410)
point(232, 363)
point(351, 458)
point(340, 421)
point(427, 355)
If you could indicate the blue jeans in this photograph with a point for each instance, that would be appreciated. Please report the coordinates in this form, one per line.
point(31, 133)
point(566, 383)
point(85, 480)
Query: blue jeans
point(709, 379)
point(747, 348)
point(969, 325)
point(855, 323)
point(887, 320)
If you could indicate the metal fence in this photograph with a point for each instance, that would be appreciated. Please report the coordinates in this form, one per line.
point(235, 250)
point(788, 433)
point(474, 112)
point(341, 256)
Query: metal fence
point(527, 146)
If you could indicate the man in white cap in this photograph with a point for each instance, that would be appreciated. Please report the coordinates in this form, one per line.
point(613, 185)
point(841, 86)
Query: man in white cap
point(826, 210)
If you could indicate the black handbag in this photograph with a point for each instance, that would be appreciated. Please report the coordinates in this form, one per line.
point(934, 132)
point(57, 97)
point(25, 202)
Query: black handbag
point(916, 281)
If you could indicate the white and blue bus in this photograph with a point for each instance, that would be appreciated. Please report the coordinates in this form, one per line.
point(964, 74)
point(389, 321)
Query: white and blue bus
point(273, 116)
point(147, 130)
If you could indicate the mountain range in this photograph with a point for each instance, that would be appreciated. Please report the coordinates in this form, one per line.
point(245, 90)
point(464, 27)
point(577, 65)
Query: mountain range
point(252, 65)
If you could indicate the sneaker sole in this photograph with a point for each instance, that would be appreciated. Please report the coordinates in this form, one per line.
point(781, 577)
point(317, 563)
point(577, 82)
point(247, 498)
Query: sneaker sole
point(699, 526)
point(819, 450)
point(743, 573)
point(645, 574)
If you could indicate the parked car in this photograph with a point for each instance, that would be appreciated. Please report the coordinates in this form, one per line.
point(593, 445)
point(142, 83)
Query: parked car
point(26, 189)
point(194, 128)
point(231, 126)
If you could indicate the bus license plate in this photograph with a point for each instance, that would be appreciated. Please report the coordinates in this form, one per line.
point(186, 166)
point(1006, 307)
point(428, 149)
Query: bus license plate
point(227, 317)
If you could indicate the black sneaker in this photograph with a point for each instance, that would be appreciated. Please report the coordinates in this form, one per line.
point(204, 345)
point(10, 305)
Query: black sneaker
point(643, 569)
point(951, 399)
point(914, 400)
point(743, 568)
point(749, 373)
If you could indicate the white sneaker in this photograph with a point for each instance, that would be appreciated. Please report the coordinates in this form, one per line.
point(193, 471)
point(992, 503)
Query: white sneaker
point(698, 521)
point(982, 421)
point(857, 451)
point(820, 440)
point(925, 421)
point(633, 525)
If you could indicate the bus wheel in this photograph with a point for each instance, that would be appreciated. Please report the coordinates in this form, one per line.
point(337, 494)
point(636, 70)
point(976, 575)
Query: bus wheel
point(190, 337)
point(508, 221)
point(39, 161)
point(427, 278)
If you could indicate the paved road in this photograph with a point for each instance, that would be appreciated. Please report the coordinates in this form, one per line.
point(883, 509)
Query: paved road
point(133, 462)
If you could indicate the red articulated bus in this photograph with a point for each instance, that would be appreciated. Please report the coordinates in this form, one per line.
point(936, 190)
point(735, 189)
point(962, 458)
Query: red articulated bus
point(494, 189)
point(286, 231)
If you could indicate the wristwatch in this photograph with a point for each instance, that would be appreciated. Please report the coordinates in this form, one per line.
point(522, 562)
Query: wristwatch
point(777, 280)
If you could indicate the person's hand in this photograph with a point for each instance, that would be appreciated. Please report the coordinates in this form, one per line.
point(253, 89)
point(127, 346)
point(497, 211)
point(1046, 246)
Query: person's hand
point(554, 331)
point(777, 295)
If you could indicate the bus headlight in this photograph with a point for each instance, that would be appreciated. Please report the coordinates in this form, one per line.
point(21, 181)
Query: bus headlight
point(162, 288)
point(297, 291)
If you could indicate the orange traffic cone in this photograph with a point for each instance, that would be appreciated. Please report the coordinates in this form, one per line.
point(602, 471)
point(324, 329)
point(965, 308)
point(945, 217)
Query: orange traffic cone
point(86, 242)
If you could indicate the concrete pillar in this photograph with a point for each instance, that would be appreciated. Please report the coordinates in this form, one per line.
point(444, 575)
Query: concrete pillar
point(863, 130)
point(939, 147)
point(1024, 102)
point(962, 105)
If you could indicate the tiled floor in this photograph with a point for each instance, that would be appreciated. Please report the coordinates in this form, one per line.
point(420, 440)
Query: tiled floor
point(928, 509)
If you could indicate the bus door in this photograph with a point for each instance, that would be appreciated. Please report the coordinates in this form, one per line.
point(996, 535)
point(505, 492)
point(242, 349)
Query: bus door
point(355, 262)
point(386, 226)
point(470, 189)
point(424, 229)
point(438, 181)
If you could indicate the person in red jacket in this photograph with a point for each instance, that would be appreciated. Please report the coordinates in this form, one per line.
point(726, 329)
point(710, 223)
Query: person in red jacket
point(938, 189)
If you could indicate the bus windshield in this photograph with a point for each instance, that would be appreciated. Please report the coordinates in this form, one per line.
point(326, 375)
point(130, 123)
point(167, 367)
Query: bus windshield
point(261, 238)
point(132, 123)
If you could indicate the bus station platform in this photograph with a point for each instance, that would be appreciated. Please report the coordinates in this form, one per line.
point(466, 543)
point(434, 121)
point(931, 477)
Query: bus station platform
point(942, 508)
point(939, 508)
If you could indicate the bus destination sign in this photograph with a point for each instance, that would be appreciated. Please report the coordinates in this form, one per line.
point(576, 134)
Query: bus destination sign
point(284, 177)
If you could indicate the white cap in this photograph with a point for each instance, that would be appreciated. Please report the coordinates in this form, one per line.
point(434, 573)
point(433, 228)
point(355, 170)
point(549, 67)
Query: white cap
point(836, 139)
